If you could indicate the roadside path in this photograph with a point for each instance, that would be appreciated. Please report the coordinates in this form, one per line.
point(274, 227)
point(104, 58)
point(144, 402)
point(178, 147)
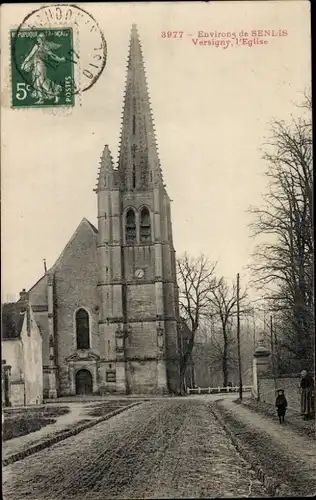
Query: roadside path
point(283, 451)
point(18, 444)
point(294, 419)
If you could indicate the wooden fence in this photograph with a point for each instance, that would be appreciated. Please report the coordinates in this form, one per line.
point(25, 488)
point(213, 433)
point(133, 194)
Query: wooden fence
point(216, 390)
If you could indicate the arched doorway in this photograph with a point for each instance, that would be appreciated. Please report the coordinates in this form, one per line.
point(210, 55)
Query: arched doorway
point(83, 382)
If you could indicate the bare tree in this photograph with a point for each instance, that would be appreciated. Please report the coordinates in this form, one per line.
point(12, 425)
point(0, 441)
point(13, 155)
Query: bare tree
point(283, 259)
point(209, 346)
point(196, 280)
point(223, 302)
point(209, 349)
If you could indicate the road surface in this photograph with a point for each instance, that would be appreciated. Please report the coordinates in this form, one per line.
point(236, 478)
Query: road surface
point(168, 448)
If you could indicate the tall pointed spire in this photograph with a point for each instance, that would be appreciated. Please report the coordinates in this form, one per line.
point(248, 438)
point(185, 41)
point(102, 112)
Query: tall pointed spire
point(105, 175)
point(138, 165)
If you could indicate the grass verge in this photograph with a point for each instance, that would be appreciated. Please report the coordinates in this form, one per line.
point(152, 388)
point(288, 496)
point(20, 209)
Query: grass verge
point(21, 421)
point(283, 472)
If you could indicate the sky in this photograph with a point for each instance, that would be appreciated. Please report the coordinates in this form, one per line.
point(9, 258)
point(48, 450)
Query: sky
point(212, 108)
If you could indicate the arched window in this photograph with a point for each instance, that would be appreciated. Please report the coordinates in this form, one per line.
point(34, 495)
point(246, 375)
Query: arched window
point(130, 227)
point(82, 329)
point(145, 232)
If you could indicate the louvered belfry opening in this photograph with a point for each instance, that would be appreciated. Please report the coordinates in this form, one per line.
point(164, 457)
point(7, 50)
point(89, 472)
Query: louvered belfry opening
point(145, 230)
point(130, 227)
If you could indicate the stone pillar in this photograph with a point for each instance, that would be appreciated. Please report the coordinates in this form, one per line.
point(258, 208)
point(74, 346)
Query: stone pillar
point(159, 289)
point(72, 378)
point(52, 390)
point(161, 362)
point(161, 376)
point(95, 386)
point(5, 383)
point(120, 336)
point(158, 256)
point(261, 366)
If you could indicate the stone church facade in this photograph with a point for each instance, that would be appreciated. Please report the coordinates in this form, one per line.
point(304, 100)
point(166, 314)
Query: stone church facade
point(108, 308)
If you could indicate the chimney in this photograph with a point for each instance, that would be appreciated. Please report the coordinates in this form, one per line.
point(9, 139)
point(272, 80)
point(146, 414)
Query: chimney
point(24, 296)
point(25, 307)
point(28, 319)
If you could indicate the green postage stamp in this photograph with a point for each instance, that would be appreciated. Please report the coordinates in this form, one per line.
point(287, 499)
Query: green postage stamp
point(42, 67)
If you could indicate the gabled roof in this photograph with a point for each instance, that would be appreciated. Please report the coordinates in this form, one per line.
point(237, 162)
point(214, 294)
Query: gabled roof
point(83, 222)
point(12, 320)
point(52, 269)
point(94, 229)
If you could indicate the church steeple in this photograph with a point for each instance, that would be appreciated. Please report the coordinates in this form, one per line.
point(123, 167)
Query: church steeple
point(105, 176)
point(136, 257)
point(139, 166)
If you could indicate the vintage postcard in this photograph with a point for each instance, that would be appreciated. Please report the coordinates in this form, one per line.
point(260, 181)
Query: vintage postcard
point(157, 299)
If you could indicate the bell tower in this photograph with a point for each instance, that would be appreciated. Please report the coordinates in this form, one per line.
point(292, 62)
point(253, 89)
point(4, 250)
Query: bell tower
point(138, 312)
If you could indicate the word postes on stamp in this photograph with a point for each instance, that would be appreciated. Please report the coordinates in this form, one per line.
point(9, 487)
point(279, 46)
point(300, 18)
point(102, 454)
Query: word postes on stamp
point(57, 52)
point(42, 67)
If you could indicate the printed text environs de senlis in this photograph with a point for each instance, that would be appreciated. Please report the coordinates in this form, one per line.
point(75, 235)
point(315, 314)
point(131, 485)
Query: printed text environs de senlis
point(225, 39)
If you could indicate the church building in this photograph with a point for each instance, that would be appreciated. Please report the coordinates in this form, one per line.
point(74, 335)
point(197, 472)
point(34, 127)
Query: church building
point(108, 309)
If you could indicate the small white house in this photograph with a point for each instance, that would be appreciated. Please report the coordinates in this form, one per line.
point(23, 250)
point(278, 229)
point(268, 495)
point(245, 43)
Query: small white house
point(22, 366)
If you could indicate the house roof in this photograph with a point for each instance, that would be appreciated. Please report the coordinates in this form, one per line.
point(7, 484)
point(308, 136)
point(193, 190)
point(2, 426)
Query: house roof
point(12, 320)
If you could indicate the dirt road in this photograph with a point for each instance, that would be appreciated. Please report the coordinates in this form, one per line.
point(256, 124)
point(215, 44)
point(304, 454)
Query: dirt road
point(160, 449)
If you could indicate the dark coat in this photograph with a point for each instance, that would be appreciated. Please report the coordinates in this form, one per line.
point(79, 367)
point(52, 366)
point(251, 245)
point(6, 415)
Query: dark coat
point(281, 404)
point(307, 382)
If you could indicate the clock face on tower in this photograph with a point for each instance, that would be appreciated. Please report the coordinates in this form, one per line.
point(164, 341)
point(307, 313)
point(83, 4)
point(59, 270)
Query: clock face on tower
point(139, 273)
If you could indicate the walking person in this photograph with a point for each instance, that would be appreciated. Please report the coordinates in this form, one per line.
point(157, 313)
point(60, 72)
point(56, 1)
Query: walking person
point(307, 395)
point(281, 405)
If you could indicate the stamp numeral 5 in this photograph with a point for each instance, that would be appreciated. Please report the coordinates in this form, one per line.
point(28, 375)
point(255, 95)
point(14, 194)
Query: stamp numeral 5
point(21, 91)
